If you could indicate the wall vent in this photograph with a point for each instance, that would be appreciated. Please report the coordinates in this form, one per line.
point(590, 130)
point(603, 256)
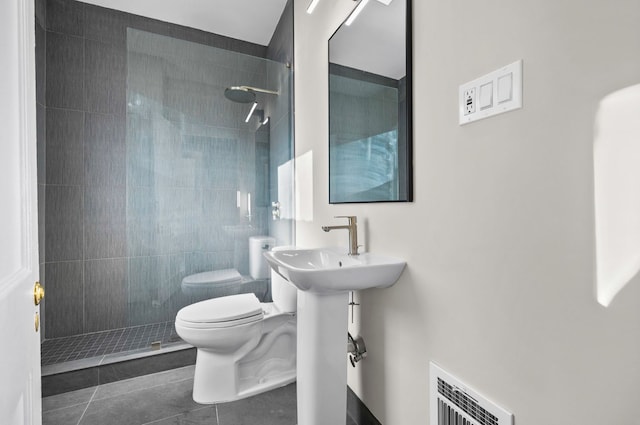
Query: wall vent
point(454, 403)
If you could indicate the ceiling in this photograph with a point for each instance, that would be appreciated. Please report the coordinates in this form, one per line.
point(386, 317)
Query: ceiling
point(248, 20)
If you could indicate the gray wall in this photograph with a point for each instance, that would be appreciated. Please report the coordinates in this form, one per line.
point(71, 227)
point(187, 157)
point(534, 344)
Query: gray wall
point(41, 60)
point(499, 242)
point(82, 159)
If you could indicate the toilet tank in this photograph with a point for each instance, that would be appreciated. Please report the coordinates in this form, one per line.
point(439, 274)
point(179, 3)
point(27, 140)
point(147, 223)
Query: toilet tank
point(283, 293)
point(258, 265)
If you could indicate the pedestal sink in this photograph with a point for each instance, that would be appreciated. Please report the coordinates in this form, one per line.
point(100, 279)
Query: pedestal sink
point(324, 277)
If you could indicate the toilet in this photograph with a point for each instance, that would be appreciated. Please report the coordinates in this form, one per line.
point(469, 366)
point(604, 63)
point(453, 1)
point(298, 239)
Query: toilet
point(244, 347)
point(220, 283)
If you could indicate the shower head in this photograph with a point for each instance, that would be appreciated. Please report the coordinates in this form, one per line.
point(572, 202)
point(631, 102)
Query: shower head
point(240, 94)
point(245, 94)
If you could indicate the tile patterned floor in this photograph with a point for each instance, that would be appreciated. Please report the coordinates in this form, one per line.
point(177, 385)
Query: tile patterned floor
point(60, 350)
point(165, 399)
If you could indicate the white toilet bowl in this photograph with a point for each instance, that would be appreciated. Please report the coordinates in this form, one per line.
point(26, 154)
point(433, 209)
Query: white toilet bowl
point(244, 347)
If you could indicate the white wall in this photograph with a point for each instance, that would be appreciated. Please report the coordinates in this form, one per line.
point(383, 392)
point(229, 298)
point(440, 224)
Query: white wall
point(499, 288)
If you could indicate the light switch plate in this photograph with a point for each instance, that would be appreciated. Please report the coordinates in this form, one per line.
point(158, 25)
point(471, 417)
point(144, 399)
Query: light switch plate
point(497, 92)
point(486, 95)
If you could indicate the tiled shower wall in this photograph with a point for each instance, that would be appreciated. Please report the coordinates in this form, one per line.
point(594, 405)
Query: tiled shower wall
point(82, 75)
point(41, 59)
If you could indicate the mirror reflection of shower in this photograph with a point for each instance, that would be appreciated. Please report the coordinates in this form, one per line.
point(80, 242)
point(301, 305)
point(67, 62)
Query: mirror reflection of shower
point(247, 94)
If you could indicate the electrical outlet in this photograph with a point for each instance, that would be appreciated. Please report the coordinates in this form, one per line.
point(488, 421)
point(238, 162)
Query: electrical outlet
point(469, 101)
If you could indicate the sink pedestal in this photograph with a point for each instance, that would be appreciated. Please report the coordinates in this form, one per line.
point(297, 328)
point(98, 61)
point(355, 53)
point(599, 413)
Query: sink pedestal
point(324, 278)
point(322, 358)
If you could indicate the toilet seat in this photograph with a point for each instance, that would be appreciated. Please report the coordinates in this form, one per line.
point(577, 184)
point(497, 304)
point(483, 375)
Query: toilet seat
point(223, 312)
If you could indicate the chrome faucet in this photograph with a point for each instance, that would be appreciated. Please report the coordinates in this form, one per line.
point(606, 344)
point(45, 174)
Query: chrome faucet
point(353, 232)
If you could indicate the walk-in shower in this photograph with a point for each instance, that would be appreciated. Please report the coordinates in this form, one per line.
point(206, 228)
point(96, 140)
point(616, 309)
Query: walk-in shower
point(187, 182)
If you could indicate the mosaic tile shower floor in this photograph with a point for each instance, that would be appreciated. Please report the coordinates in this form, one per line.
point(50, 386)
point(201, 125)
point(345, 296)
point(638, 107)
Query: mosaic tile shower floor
point(78, 347)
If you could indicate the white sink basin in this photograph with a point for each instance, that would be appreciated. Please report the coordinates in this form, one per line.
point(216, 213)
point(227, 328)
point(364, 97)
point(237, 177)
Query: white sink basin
point(327, 270)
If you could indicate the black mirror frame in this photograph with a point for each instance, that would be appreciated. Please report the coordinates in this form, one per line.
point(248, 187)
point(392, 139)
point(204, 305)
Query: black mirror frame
point(408, 165)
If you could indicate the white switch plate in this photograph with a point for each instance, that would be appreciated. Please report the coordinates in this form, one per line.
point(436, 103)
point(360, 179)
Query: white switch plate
point(506, 93)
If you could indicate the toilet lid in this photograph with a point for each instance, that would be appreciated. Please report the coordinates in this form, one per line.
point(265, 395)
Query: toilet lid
point(215, 276)
point(223, 309)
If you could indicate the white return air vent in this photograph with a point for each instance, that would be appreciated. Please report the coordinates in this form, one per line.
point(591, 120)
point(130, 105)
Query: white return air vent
point(453, 403)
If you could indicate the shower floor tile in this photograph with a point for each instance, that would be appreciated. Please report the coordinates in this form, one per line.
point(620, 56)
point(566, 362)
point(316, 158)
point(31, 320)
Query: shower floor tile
point(78, 347)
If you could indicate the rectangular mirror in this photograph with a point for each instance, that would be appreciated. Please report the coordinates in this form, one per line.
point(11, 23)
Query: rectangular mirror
point(370, 107)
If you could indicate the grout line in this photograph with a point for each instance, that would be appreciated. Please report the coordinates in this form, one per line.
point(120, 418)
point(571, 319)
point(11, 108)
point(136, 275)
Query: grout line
point(141, 389)
point(176, 416)
point(86, 408)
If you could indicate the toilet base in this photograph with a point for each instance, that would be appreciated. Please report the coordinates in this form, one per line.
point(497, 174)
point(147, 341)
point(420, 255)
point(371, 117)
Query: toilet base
point(215, 378)
point(271, 364)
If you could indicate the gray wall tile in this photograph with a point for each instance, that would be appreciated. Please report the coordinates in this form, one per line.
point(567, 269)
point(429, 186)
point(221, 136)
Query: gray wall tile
point(105, 302)
point(105, 150)
point(280, 47)
point(155, 220)
point(41, 12)
point(65, 71)
point(42, 196)
point(197, 36)
point(41, 138)
point(217, 163)
point(64, 299)
point(105, 222)
point(141, 226)
point(65, 16)
point(106, 25)
point(105, 78)
point(65, 146)
point(198, 262)
point(215, 209)
point(41, 62)
point(63, 223)
point(140, 149)
point(43, 303)
point(154, 283)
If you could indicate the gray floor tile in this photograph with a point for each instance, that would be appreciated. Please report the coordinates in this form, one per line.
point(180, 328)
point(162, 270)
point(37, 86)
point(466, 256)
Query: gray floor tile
point(202, 416)
point(144, 382)
point(165, 399)
point(65, 416)
point(142, 406)
point(69, 399)
point(276, 407)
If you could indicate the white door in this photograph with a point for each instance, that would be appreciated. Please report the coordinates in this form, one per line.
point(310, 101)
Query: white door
point(20, 401)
